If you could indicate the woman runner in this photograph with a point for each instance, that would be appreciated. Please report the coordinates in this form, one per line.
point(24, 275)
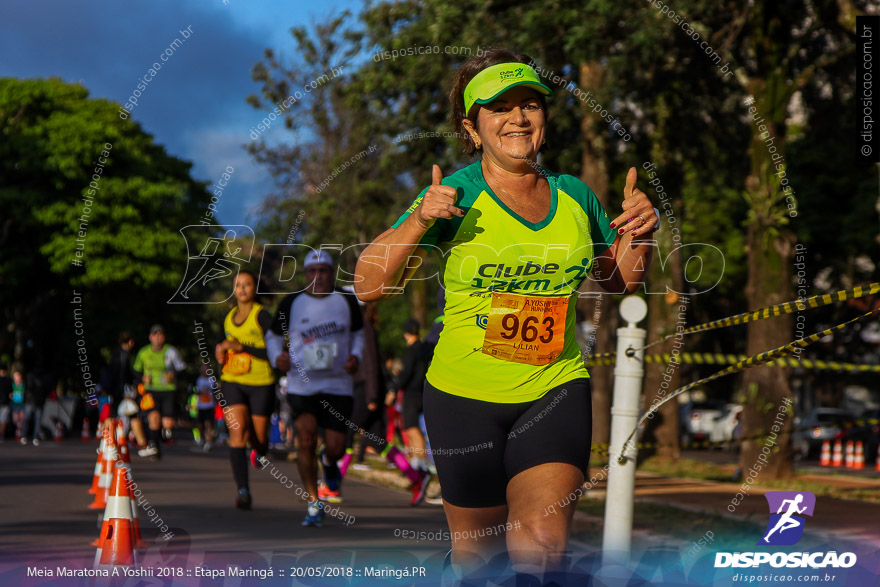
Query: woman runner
point(247, 383)
point(507, 399)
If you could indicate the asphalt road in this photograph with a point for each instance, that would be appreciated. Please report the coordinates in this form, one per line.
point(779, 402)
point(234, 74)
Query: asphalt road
point(45, 520)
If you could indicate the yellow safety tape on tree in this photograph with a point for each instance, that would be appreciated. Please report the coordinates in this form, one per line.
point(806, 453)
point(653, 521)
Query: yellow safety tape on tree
point(761, 314)
point(753, 361)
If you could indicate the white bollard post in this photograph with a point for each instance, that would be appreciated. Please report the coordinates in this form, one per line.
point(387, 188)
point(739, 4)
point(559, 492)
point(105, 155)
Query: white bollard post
point(628, 375)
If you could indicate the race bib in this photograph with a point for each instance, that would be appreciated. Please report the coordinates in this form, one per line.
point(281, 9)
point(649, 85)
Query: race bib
point(317, 357)
point(205, 398)
point(237, 363)
point(147, 401)
point(524, 329)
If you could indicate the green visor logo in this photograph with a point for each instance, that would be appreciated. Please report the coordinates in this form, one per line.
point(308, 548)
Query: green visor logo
point(494, 81)
point(515, 73)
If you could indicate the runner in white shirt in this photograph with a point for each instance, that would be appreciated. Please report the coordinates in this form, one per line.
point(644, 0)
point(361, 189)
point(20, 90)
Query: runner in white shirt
point(324, 332)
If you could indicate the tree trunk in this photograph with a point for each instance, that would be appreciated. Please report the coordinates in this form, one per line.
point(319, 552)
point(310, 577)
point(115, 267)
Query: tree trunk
point(597, 306)
point(770, 252)
point(418, 301)
point(661, 380)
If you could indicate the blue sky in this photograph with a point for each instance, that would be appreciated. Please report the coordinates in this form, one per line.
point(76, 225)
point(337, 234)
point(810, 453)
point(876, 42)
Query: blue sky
point(195, 105)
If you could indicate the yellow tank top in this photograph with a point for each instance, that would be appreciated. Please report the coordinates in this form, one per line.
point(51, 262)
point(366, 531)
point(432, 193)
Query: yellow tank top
point(245, 368)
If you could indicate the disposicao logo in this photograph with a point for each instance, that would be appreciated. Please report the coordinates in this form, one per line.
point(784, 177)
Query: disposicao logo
point(786, 527)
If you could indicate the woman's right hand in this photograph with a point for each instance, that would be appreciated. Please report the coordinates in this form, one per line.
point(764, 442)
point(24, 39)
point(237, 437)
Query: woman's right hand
point(220, 352)
point(438, 201)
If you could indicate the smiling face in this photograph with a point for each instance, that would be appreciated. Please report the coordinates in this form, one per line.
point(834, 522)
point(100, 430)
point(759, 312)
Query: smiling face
point(510, 128)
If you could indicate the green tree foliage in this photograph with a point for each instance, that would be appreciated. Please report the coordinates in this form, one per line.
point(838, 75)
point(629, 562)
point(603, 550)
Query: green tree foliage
point(685, 108)
point(123, 230)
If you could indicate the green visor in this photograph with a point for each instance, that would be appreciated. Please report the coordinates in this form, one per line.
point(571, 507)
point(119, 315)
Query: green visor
point(494, 81)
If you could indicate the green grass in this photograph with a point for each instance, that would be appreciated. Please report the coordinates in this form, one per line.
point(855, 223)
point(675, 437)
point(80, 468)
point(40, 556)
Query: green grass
point(682, 524)
point(686, 468)
point(694, 469)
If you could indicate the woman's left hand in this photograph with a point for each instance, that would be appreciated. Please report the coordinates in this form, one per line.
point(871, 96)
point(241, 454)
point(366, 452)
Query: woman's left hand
point(234, 346)
point(638, 212)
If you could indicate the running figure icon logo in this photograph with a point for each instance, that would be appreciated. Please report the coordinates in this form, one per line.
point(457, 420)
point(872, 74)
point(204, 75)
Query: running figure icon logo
point(213, 253)
point(786, 527)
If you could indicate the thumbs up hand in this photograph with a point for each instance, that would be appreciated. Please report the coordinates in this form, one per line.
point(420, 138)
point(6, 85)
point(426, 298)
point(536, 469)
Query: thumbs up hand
point(638, 213)
point(438, 201)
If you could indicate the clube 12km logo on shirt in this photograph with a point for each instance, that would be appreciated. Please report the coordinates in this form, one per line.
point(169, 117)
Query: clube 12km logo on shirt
point(786, 528)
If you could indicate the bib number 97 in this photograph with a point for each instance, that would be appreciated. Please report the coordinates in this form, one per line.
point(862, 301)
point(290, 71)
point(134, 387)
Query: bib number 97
point(529, 333)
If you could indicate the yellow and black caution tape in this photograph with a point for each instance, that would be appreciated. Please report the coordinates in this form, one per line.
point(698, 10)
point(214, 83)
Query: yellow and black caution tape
point(762, 313)
point(731, 359)
point(602, 449)
point(753, 361)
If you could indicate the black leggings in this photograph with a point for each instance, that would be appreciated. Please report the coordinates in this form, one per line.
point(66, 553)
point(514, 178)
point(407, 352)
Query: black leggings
point(479, 446)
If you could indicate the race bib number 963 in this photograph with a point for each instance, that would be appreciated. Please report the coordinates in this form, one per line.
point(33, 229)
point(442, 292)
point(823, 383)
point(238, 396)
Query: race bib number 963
point(524, 329)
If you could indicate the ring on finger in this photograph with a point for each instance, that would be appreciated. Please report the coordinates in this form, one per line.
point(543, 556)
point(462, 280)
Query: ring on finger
point(642, 218)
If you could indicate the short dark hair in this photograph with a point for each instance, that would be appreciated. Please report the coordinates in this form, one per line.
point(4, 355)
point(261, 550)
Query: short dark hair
point(466, 72)
point(125, 337)
point(411, 326)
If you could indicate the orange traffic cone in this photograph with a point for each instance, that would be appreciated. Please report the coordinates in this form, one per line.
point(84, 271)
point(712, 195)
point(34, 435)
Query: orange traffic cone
point(825, 457)
point(135, 525)
point(837, 459)
point(859, 462)
point(850, 454)
point(122, 442)
point(877, 463)
point(84, 435)
point(115, 547)
point(110, 457)
point(117, 465)
point(99, 468)
point(59, 431)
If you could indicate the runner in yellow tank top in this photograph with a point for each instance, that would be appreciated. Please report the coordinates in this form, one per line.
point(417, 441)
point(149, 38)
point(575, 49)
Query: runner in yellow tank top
point(247, 383)
point(507, 401)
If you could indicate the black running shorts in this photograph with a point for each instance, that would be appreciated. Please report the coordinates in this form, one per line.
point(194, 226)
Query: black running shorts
point(478, 446)
point(164, 402)
point(412, 408)
point(260, 399)
point(333, 412)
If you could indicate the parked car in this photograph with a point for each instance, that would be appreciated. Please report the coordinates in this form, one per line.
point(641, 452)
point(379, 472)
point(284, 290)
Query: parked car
point(867, 431)
point(818, 426)
point(726, 427)
point(697, 420)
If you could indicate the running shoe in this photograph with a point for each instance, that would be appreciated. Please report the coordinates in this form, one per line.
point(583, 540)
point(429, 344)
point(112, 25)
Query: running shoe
point(258, 461)
point(332, 474)
point(420, 487)
point(361, 467)
point(314, 515)
point(148, 451)
point(243, 500)
point(328, 495)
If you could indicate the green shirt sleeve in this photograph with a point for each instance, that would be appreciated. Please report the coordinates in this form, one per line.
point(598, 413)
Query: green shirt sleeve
point(600, 225)
point(138, 364)
point(433, 235)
